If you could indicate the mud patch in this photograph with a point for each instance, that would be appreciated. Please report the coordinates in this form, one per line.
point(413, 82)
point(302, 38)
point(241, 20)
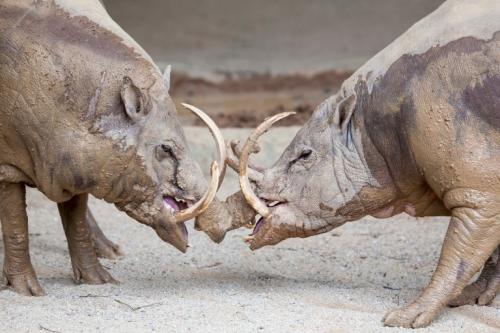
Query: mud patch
point(245, 99)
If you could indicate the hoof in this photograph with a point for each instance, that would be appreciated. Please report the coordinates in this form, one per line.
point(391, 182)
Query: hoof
point(93, 275)
point(480, 293)
point(105, 248)
point(413, 316)
point(25, 284)
point(469, 295)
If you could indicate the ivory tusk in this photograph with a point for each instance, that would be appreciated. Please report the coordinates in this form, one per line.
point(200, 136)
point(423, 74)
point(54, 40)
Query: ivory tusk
point(202, 204)
point(248, 148)
point(216, 134)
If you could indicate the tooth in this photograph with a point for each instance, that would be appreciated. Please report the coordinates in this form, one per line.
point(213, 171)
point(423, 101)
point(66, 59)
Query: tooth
point(248, 238)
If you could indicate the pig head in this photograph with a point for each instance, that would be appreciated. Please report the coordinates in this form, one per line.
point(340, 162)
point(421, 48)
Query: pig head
point(320, 181)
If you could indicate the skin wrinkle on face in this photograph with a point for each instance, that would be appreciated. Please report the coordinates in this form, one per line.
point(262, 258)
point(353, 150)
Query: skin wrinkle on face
point(299, 190)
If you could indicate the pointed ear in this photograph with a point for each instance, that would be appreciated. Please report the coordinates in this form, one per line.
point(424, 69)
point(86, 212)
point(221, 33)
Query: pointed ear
point(343, 111)
point(132, 99)
point(166, 77)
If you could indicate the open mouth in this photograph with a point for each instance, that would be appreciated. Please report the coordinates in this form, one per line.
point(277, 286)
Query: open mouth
point(175, 205)
point(260, 219)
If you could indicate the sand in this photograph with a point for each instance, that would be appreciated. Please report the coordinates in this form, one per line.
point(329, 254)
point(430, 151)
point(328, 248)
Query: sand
point(342, 281)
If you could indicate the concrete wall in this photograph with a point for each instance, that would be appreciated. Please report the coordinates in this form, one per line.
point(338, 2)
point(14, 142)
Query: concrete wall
point(263, 35)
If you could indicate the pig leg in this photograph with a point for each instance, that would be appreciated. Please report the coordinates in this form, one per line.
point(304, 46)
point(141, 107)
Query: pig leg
point(473, 234)
point(103, 246)
point(485, 288)
point(86, 266)
point(17, 266)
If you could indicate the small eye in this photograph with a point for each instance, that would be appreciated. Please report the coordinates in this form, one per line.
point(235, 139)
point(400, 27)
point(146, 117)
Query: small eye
point(305, 154)
point(164, 151)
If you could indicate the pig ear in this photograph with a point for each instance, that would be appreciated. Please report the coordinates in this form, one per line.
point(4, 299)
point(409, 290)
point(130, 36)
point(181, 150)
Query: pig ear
point(343, 111)
point(166, 77)
point(132, 99)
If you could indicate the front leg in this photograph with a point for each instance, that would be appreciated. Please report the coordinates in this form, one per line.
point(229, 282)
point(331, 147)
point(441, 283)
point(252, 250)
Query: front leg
point(86, 266)
point(17, 266)
point(473, 234)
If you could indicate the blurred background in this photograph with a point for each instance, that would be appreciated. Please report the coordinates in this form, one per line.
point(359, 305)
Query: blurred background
point(244, 60)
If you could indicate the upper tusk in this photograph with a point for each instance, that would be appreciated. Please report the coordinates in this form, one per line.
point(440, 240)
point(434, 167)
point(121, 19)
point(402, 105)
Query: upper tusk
point(202, 204)
point(235, 148)
point(248, 148)
point(217, 135)
point(234, 163)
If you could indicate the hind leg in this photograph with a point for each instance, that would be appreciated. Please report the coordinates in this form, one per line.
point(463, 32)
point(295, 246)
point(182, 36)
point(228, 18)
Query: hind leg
point(103, 246)
point(17, 266)
point(86, 266)
point(473, 234)
point(485, 288)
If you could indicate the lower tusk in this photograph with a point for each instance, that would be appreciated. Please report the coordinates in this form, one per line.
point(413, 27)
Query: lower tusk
point(201, 205)
point(248, 148)
point(217, 135)
point(248, 239)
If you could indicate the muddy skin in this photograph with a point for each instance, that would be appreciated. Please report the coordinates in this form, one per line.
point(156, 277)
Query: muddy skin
point(222, 217)
point(85, 111)
point(103, 246)
point(415, 130)
point(86, 267)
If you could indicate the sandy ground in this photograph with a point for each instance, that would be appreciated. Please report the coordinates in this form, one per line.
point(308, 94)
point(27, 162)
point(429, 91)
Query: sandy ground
point(342, 281)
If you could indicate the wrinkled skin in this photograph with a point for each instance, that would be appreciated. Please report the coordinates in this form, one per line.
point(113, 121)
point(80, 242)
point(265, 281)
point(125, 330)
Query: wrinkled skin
point(84, 111)
point(307, 202)
point(161, 143)
point(415, 135)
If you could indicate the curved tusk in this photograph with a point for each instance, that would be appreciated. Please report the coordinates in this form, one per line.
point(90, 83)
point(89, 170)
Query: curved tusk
point(202, 204)
point(248, 148)
point(217, 135)
point(234, 163)
point(236, 150)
